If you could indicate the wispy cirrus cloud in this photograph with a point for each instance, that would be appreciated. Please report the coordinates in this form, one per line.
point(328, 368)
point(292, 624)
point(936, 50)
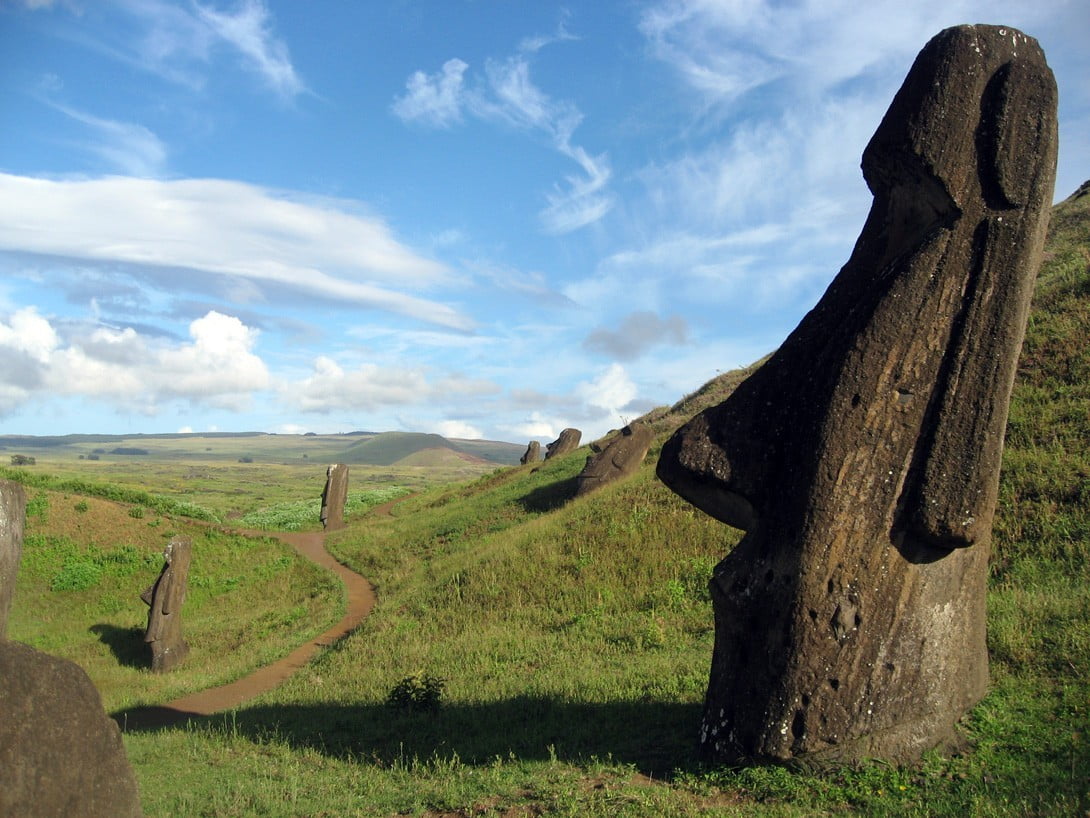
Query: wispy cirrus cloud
point(247, 235)
point(506, 94)
point(127, 147)
point(183, 42)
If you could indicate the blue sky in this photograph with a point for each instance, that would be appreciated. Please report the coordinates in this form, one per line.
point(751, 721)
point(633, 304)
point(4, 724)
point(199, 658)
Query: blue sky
point(483, 218)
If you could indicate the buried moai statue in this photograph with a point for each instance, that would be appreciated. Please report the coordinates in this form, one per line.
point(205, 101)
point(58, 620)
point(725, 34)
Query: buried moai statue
point(863, 458)
point(334, 496)
point(620, 457)
point(567, 442)
point(532, 454)
point(60, 754)
point(165, 599)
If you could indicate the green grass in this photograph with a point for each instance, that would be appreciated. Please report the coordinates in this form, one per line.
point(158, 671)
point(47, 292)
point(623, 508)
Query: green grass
point(573, 639)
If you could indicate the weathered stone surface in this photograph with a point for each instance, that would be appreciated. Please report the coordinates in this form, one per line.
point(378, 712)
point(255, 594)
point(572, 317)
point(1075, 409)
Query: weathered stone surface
point(334, 496)
point(165, 598)
point(60, 754)
point(12, 514)
point(863, 457)
point(567, 442)
point(620, 457)
point(533, 453)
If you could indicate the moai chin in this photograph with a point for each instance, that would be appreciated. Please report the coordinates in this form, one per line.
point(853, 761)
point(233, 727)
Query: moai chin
point(165, 599)
point(863, 458)
point(334, 496)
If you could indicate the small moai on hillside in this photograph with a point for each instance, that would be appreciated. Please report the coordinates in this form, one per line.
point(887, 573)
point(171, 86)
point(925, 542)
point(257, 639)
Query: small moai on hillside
point(533, 453)
point(12, 518)
point(621, 456)
point(165, 599)
point(60, 754)
point(567, 442)
point(863, 458)
point(334, 496)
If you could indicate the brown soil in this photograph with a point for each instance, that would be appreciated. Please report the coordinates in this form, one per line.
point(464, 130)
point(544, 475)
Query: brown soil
point(361, 598)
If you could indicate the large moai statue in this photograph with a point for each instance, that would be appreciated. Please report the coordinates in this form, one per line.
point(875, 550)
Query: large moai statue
point(334, 496)
point(863, 458)
point(165, 599)
point(60, 754)
point(620, 457)
point(567, 442)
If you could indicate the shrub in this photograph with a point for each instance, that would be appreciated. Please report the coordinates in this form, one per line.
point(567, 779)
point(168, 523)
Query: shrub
point(419, 692)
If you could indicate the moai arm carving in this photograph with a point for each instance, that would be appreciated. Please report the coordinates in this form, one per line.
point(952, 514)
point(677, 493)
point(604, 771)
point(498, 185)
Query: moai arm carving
point(864, 455)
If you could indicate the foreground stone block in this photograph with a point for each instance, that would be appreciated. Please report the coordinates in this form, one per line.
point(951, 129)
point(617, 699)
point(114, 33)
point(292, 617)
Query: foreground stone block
point(12, 517)
point(863, 457)
point(533, 453)
point(60, 754)
point(165, 599)
point(620, 457)
point(334, 496)
point(567, 442)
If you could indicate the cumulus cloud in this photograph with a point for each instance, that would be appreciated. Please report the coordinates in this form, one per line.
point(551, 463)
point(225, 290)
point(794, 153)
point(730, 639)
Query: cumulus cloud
point(251, 236)
point(364, 388)
point(508, 95)
point(458, 429)
point(638, 332)
point(123, 368)
point(434, 99)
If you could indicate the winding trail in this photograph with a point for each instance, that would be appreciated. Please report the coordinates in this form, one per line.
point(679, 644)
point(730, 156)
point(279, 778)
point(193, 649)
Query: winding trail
point(361, 599)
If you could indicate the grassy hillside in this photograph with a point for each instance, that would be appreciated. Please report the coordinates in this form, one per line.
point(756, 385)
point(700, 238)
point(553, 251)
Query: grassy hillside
point(533, 654)
point(389, 448)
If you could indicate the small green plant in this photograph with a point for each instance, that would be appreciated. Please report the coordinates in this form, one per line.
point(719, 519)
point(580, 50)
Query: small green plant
point(38, 506)
point(81, 507)
point(419, 692)
point(137, 512)
point(78, 573)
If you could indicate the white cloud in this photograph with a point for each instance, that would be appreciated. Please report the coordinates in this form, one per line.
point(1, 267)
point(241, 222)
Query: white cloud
point(248, 31)
point(434, 99)
point(365, 388)
point(610, 392)
point(127, 370)
point(508, 95)
point(127, 147)
point(458, 429)
point(245, 233)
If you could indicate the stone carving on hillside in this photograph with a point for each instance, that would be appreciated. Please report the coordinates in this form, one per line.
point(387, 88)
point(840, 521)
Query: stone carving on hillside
point(862, 459)
point(12, 516)
point(533, 453)
point(620, 457)
point(334, 496)
point(59, 752)
point(567, 442)
point(165, 599)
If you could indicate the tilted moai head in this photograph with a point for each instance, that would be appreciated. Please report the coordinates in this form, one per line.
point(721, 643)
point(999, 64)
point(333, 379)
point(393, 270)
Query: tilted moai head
point(863, 457)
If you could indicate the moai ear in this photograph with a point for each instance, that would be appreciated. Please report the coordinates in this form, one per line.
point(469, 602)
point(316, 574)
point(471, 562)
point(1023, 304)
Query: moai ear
point(955, 468)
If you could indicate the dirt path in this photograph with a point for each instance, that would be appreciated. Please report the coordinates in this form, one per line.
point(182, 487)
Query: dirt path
point(361, 599)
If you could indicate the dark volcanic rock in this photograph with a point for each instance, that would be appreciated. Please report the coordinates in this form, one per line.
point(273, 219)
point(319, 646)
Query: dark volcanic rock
point(620, 457)
point(567, 442)
point(863, 457)
point(533, 453)
point(59, 752)
point(165, 599)
point(12, 514)
point(334, 496)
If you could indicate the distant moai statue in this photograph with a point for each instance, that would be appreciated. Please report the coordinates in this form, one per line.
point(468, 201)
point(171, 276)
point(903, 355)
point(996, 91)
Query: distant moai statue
point(60, 754)
point(165, 599)
point(620, 457)
point(567, 442)
point(533, 453)
point(863, 458)
point(334, 496)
